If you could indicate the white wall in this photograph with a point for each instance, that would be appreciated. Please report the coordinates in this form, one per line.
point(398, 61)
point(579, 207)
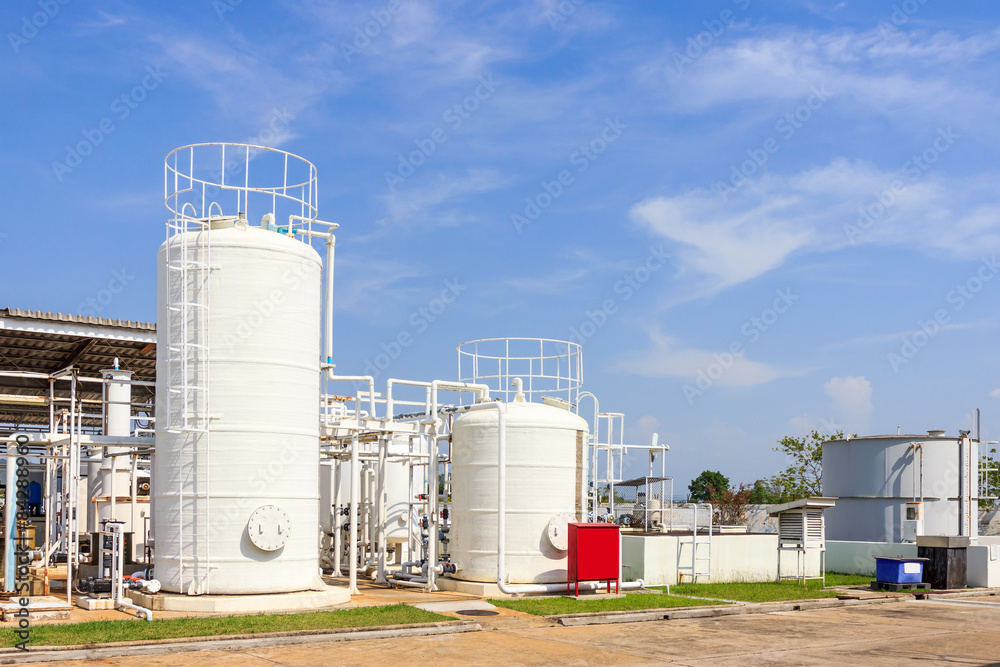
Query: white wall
point(859, 557)
point(984, 563)
point(655, 558)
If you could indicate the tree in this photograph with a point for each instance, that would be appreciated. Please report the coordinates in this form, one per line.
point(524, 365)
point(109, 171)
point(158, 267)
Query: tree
point(730, 505)
point(804, 475)
point(700, 488)
point(764, 492)
point(989, 473)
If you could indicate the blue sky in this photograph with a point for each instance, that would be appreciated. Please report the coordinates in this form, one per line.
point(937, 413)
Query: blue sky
point(777, 215)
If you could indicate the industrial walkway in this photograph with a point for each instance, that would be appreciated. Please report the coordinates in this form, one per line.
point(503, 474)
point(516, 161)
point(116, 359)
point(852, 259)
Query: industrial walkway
point(890, 634)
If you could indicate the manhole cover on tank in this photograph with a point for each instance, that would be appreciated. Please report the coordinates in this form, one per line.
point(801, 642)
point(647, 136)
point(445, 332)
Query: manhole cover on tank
point(477, 612)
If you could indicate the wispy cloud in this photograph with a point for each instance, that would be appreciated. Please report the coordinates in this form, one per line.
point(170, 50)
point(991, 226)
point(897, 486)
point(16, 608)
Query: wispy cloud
point(667, 358)
point(725, 243)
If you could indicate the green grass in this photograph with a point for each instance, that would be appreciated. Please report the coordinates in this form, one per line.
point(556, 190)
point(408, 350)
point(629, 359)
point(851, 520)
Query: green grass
point(564, 605)
point(97, 632)
point(838, 579)
point(771, 591)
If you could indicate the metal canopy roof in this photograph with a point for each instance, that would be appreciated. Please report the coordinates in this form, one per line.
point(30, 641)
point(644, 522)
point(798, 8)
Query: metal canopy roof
point(34, 342)
point(813, 503)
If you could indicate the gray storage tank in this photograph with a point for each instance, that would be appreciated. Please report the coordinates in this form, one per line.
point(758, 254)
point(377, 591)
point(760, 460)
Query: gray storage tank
point(876, 479)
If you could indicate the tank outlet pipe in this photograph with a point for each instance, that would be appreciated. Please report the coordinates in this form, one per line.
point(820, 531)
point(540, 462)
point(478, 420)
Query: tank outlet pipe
point(140, 612)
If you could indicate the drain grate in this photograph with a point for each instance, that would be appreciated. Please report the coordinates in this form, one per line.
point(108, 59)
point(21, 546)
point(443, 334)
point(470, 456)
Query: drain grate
point(477, 612)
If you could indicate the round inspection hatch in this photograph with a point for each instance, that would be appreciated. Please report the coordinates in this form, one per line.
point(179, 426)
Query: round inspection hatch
point(558, 530)
point(269, 527)
point(477, 612)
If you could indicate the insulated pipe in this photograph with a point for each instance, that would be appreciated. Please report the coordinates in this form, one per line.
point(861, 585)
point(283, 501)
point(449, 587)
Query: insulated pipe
point(355, 499)
point(9, 514)
point(432, 502)
point(338, 554)
point(380, 507)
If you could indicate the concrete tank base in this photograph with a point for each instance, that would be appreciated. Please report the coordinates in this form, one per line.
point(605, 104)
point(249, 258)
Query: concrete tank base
point(480, 588)
point(208, 604)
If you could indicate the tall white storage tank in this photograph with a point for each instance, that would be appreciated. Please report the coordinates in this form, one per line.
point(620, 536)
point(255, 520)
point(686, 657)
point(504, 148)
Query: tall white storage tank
point(546, 454)
point(874, 477)
point(236, 508)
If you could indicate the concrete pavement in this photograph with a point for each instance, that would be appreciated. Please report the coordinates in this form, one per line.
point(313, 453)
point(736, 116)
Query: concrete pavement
point(892, 634)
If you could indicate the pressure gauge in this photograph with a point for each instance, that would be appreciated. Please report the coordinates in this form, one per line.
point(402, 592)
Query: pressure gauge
point(269, 527)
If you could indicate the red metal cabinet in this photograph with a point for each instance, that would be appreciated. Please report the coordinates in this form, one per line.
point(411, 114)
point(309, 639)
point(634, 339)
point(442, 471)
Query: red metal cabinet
point(593, 554)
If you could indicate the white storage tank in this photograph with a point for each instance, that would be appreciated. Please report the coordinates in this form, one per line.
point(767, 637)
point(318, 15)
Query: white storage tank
point(874, 479)
point(546, 454)
point(236, 508)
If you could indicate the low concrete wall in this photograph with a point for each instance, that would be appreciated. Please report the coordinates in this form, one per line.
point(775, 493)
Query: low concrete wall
point(859, 557)
point(656, 559)
point(983, 568)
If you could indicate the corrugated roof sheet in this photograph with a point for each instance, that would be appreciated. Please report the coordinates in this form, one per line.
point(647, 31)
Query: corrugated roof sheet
point(77, 319)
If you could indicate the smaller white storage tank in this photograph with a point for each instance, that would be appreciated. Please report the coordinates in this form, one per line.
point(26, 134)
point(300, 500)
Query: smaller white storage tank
point(546, 453)
point(875, 477)
point(397, 492)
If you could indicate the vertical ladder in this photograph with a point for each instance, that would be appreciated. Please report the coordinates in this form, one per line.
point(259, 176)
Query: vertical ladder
point(188, 265)
point(701, 550)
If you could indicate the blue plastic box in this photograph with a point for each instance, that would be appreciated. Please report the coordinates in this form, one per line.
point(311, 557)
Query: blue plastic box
point(894, 570)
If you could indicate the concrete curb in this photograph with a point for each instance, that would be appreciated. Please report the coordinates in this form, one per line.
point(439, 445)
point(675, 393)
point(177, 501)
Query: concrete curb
point(679, 613)
point(10, 656)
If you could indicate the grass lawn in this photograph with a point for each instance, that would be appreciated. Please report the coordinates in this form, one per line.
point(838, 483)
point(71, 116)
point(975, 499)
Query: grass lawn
point(562, 605)
point(95, 632)
point(771, 591)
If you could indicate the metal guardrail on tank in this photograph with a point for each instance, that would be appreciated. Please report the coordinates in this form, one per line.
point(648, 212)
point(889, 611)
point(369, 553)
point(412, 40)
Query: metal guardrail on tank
point(551, 370)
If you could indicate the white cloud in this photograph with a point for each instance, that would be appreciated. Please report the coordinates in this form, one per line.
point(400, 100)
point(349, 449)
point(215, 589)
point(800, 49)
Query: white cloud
point(852, 400)
point(724, 243)
point(668, 359)
point(435, 204)
point(995, 393)
point(882, 71)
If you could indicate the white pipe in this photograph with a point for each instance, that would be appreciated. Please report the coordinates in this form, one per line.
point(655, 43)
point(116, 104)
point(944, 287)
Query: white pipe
point(331, 244)
point(142, 610)
point(357, 378)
